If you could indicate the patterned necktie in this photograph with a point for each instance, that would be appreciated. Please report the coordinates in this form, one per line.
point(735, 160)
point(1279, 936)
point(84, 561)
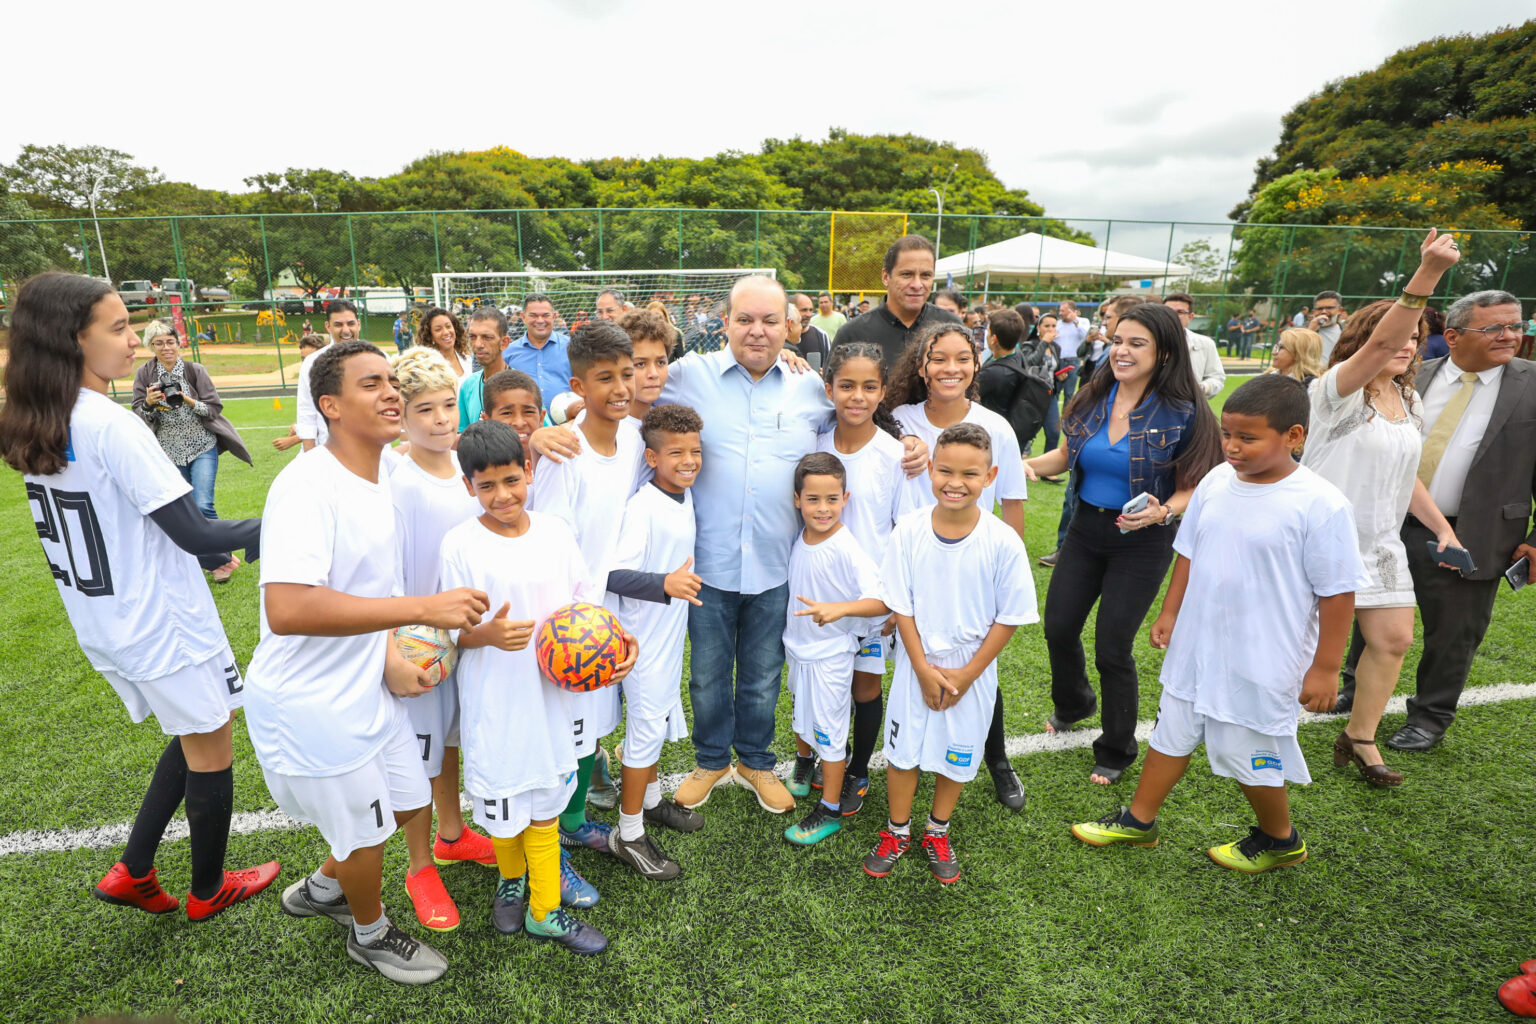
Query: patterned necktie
point(1445, 426)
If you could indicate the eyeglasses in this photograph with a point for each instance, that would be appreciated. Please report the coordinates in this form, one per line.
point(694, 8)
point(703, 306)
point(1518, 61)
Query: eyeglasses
point(1494, 330)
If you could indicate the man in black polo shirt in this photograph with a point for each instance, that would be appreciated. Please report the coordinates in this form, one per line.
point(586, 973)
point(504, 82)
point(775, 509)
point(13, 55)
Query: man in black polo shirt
point(908, 278)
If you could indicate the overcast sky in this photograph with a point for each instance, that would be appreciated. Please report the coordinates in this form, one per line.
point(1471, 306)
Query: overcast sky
point(1126, 110)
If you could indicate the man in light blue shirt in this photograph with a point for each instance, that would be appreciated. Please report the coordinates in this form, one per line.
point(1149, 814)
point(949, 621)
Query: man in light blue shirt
point(540, 353)
point(487, 336)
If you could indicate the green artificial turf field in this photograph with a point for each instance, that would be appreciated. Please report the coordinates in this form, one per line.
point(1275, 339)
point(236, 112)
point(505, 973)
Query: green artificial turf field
point(1414, 904)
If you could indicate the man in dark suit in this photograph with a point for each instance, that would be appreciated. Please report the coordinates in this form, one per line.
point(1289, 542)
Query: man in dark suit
point(1479, 463)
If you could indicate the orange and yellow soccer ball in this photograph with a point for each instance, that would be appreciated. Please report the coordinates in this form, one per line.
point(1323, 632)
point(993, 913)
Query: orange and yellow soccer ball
point(580, 646)
point(427, 647)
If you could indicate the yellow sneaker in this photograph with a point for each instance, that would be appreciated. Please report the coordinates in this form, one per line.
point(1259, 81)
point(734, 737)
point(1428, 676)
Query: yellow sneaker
point(1256, 854)
point(770, 792)
point(701, 782)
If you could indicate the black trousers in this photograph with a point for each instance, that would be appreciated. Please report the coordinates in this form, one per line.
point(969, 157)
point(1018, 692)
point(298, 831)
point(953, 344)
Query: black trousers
point(1122, 573)
point(1456, 613)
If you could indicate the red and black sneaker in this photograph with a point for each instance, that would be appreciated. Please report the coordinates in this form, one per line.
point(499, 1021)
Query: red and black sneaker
point(122, 889)
point(238, 885)
point(886, 853)
point(941, 857)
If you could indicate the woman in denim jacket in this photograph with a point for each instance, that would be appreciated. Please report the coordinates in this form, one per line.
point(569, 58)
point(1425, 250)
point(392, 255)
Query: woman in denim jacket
point(1143, 427)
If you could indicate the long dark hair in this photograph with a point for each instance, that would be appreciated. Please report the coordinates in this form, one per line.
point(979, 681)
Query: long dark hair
point(907, 386)
point(864, 350)
point(424, 332)
point(42, 377)
point(1173, 381)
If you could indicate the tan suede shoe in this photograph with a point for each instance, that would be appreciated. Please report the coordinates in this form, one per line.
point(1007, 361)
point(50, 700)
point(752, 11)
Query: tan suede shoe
point(701, 782)
point(770, 792)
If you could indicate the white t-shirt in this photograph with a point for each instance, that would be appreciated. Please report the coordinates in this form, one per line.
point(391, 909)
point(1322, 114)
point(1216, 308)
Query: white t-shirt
point(956, 592)
point(1010, 482)
point(426, 508)
point(877, 495)
point(588, 493)
point(657, 536)
point(308, 423)
point(513, 723)
point(837, 569)
point(317, 705)
point(1260, 557)
point(139, 604)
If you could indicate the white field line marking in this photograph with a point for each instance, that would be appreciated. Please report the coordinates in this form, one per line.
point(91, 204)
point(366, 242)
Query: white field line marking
point(109, 836)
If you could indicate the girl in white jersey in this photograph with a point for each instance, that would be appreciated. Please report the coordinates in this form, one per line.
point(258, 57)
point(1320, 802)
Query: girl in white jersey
point(121, 534)
point(934, 386)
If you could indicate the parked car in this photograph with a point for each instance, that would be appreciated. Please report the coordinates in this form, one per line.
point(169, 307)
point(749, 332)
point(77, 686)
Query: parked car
point(179, 286)
point(215, 294)
point(139, 294)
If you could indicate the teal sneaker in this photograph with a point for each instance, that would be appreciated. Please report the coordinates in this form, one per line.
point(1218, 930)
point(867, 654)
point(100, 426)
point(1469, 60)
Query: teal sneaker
point(815, 827)
point(1256, 853)
point(799, 782)
point(559, 926)
point(1110, 829)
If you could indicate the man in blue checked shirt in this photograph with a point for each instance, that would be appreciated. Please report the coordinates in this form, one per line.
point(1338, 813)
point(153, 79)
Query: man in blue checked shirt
point(540, 353)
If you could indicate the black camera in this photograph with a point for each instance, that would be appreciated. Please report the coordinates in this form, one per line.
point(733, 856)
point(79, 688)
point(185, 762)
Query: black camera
point(174, 398)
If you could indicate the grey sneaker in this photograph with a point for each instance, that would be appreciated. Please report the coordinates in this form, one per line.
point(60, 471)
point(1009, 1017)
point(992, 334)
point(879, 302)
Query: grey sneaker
point(398, 957)
point(300, 902)
point(671, 814)
point(644, 856)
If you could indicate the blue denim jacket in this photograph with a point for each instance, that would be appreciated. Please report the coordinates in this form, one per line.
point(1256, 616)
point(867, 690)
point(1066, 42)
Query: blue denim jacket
point(1158, 433)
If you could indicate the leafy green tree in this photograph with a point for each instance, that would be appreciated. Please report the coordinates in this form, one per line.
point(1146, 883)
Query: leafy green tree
point(63, 180)
point(28, 244)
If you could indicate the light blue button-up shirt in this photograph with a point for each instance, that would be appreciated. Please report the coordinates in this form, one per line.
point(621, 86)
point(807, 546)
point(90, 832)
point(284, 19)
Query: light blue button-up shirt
point(550, 366)
point(754, 434)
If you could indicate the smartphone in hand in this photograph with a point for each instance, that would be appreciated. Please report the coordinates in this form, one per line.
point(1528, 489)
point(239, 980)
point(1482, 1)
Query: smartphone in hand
point(1519, 574)
point(1136, 504)
point(1461, 558)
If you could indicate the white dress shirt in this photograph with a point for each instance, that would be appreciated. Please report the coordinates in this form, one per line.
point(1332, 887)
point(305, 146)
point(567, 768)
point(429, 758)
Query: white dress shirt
point(1451, 474)
point(1207, 363)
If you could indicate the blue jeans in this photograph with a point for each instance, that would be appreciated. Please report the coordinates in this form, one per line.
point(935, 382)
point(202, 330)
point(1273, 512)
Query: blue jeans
point(1245, 347)
point(201, 473)
point(744, 632)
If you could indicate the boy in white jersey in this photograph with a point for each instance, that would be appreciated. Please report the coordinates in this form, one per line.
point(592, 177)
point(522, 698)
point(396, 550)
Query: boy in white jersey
point(960, 584)
point(121, 536)
point(821, 633)
point(649, 588)
point(519, 752)
point(335, 746)
point(429, 499)
point(587, 492)
point(512, 397)
point(1261, 531)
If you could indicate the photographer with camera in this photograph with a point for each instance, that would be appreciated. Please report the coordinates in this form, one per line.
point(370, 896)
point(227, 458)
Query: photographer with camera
point(179, 402)
point(1328, 319)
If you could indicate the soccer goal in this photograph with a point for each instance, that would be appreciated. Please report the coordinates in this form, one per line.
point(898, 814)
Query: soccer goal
point(694, 299)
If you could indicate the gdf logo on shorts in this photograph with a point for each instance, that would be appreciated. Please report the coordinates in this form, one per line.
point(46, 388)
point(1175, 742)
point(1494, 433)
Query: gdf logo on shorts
point(960, 757)
point(871, 648)
point(823, 738)
point(1263, 759)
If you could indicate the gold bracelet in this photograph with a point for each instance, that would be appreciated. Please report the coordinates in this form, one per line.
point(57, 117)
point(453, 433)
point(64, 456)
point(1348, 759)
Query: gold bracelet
point(1412, 301)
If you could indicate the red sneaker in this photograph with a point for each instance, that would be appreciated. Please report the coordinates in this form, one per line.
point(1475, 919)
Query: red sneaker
point(941, 857)
point(1518, 995)
point(238, 885)
point(434, 907)
point(1529, 967)
point(122, 889)
point(470, 846)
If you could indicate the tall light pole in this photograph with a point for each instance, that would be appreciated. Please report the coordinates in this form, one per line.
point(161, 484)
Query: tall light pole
point(95, 190)
point(938, 193)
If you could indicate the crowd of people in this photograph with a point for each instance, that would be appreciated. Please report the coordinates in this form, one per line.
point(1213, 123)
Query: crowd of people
point(834, 495)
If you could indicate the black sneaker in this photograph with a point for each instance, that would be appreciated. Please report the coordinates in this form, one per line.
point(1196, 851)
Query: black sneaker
point(941, 857)
point(852, 799)
point(642, 854)
point(816, 775)
point(509, 904)
point(879, 861)
point(1005, 781)
point(671, 814)
point(398, 957)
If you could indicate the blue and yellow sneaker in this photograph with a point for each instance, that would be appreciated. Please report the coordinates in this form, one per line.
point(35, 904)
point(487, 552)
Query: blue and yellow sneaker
point(591, 834)
point(575, 891)
point(1112, 829)
point(815, 827)
point(799, 781)
point(1259, 852)
point(561, 927)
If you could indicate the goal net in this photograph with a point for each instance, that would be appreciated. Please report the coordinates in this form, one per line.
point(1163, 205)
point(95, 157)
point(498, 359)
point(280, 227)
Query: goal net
point(694, 299)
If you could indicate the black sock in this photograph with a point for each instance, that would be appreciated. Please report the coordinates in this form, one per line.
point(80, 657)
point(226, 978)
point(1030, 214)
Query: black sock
point(866, 729)
point(1129, 819)
point(1288, 843)
point(210, 801)
point(996, 753)
point(166, 788)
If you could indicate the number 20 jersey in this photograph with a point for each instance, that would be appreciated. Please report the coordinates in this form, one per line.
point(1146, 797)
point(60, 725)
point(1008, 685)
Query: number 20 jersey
point(139, 604)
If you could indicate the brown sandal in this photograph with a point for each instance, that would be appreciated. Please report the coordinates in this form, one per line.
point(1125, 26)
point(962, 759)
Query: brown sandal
point(1378, 775)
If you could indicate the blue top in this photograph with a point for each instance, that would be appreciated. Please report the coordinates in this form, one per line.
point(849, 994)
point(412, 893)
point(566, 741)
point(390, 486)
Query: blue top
point(550, 366)
point(1106, 468)
point(1435, 347)
point(1160, 430)
point(471, 399)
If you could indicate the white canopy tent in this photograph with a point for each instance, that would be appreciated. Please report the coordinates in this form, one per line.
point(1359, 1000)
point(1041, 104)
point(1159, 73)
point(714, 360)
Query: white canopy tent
point(1031, 260)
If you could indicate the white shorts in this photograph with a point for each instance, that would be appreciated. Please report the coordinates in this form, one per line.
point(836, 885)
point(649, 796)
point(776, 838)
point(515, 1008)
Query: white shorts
point(198, 698)
point(594, 714)
point(1235, 751)
point(435, 721)
point(950, 743)
point(874, 652)
point(823, 691)
point(645, 732)
point(356, 809)
point(505, 816)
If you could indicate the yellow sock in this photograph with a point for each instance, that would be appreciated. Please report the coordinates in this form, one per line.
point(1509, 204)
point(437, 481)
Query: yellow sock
point(542, 845)
point(509, 856)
